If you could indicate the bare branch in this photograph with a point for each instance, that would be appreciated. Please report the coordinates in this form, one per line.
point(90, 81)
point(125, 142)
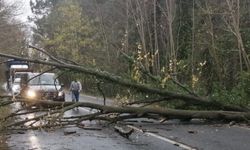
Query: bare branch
point(127, 83)
point(46, 53)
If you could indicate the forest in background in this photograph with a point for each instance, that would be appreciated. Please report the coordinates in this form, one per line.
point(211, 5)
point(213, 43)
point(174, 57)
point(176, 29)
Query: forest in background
point(200, 47)
point(13, 33)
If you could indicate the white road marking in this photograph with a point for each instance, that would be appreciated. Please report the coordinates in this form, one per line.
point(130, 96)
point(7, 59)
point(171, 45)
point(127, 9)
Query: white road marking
point(181, 145)
point(90, 111)
point(84, 109)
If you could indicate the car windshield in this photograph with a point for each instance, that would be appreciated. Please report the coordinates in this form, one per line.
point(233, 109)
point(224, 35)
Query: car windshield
point(44, 79)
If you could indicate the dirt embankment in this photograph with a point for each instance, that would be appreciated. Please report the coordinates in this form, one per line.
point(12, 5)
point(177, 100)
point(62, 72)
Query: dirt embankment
point(3, 142)
point(3, 139)
point(4, 111)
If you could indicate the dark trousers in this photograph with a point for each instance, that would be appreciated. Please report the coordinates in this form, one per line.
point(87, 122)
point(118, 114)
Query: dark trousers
point(76, 95)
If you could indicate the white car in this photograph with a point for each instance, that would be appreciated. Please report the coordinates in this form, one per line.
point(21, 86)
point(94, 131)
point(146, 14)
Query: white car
point(16, 88)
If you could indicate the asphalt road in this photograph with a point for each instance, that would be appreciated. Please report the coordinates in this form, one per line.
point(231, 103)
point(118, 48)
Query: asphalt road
point(55, 139)
point(172, 135)
point(202, 136)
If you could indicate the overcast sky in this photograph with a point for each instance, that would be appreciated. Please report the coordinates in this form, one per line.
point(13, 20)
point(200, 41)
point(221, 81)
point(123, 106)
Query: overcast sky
point(24, 8)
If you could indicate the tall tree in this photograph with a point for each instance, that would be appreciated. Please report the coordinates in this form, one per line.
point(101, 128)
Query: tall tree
point(12, 33)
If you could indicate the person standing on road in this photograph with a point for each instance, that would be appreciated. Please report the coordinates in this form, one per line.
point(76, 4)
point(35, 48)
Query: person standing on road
point(71, 91)
point(75, 88)
point(80, 86)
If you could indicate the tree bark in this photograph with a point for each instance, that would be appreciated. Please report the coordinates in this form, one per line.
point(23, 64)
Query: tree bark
point(128, 83)
point(138, 112)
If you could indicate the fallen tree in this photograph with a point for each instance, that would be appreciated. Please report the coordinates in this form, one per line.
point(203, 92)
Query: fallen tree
point(51, 114)
point(54, 116)
point(194, 100)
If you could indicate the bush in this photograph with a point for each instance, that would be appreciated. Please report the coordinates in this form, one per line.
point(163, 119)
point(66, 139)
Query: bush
point(4, 112)
point(238, 95)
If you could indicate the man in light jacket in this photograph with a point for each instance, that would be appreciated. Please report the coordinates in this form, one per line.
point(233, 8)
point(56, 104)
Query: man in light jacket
point(75, 88)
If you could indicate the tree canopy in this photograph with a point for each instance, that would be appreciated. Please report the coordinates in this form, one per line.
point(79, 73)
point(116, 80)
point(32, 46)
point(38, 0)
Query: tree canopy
point(203, 45)
point(190, 58)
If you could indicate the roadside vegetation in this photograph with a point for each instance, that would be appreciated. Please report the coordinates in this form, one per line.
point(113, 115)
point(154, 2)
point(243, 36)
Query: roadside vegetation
point(4, 111)
point(188, 58)
point(200, 45)
point(12, 40)
point(12, 34)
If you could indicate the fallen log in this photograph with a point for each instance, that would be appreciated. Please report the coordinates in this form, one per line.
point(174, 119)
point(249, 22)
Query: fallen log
point(112, 114)
point(5, 101)
point(148, 112)
point(194, 100)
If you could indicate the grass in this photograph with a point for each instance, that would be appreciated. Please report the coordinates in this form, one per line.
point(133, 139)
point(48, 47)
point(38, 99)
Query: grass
point(4, 111)
point(3, 143)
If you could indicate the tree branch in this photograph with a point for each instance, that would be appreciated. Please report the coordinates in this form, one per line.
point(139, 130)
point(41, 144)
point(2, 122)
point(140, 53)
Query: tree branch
point(127, 83)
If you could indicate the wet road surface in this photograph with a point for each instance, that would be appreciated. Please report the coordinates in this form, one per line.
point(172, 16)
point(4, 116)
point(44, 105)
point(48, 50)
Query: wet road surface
point(172, 135)
point(55, 139)
point(83, 140)
point(202, 136)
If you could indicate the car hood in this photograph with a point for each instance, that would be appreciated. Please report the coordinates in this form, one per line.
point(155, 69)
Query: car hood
point(15, 86)
point(46, 88)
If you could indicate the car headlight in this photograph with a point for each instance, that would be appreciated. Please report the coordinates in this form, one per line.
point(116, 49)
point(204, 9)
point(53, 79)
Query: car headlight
point(31, 94)
point(60, 93)
point(14, 89)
